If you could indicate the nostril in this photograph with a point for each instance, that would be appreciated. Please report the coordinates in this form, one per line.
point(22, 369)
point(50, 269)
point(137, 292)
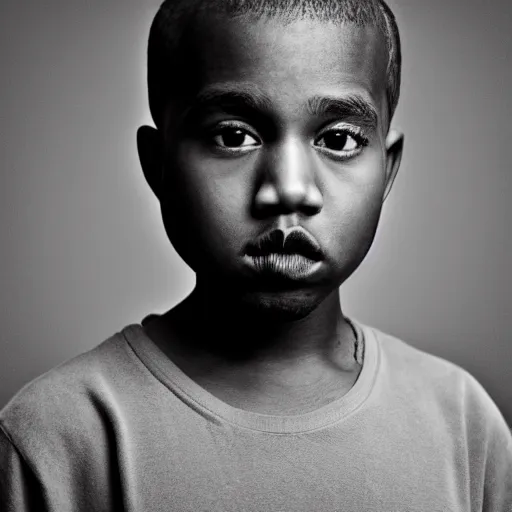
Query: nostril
point(310, 209)
point(275, 210)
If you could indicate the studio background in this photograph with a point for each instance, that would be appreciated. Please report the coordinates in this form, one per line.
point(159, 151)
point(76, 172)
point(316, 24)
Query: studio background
point(83, 249)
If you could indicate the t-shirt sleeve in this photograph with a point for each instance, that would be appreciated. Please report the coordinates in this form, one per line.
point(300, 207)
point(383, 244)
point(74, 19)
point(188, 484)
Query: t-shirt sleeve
point(19, 489)
point(490, 451)
point(498, 469)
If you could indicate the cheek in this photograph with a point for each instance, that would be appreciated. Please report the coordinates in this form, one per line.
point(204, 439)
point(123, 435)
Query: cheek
point(354, 204)
point(355, 230)
point(207, 204)
point(212, 189)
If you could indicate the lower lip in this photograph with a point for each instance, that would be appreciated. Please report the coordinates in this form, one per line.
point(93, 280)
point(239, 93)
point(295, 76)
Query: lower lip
point(288, 266)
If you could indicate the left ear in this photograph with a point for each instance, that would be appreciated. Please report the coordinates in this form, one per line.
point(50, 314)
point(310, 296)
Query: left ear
point(394, 150)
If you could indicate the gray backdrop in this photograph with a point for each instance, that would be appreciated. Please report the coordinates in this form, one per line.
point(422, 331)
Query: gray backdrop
point(83, 250)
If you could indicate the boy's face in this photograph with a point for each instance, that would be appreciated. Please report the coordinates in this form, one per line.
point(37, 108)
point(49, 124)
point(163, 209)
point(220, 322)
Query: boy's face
point(275, 126)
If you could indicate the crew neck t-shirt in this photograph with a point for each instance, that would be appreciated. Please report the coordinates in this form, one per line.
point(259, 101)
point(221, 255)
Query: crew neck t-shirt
point(122, 428)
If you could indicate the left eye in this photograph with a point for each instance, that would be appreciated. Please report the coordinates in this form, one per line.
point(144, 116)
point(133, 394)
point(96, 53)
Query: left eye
point(338, 140)
point(234, 138)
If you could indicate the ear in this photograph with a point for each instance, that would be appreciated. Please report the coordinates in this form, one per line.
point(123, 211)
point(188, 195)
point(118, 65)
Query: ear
point(149, 145)
point(394, 150)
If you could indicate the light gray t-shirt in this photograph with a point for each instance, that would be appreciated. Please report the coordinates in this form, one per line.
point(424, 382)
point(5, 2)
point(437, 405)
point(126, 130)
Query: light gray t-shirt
point(122, 428)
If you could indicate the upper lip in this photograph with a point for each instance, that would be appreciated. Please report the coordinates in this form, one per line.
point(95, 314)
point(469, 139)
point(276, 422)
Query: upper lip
point(295, 241)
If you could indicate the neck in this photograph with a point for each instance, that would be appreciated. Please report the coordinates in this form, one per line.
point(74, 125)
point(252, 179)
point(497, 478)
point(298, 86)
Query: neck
point(238, 353)
point(226, 326)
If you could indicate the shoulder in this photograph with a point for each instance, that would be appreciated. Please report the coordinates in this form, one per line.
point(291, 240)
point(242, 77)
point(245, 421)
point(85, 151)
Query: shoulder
point(445, 389)
point(59, 433)
point(68, 397)
point(448, 411)
point(404, 361)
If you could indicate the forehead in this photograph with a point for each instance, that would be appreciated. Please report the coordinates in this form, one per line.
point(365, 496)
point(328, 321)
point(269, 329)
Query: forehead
point(290, 62)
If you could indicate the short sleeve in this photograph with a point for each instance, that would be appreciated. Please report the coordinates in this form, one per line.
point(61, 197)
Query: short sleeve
point(490, 451)
point(19, 489)
point(498, 469)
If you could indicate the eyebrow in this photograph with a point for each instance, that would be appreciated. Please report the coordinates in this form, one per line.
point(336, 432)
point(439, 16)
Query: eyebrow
point(353, 108)
point(239, 99)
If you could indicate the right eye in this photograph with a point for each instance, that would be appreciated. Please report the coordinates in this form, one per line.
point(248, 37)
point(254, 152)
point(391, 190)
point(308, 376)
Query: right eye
point(235, 138)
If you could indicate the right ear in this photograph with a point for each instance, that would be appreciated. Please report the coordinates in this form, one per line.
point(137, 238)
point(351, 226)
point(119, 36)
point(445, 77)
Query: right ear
point(150, 148)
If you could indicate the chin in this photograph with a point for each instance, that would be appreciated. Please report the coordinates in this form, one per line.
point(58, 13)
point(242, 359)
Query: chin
point(288, 306)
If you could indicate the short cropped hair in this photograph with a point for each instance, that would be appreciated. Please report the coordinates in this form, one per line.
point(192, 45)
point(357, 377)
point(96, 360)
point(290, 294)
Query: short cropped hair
point(175, 16)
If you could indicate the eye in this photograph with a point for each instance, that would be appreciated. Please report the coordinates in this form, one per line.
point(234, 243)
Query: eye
point(337, 141)
point(235, 138)
point(341, 142)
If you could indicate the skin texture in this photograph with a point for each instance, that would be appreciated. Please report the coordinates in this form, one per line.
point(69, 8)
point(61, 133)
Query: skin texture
point(272, 347)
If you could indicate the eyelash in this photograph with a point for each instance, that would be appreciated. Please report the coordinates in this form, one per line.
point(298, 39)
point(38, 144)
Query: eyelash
point(355, 133)
point(235, 126)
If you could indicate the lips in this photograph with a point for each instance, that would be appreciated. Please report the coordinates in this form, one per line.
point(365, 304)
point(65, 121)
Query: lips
point(290, 256)
point(298, 241)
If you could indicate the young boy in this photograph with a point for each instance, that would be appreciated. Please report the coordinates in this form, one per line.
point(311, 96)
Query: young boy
point(271, 159)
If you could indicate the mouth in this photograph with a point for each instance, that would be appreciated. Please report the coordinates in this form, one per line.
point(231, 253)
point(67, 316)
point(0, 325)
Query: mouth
point(294, 255)
point(296, 242)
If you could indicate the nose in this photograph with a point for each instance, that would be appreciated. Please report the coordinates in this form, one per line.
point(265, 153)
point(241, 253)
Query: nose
point(287, 182)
